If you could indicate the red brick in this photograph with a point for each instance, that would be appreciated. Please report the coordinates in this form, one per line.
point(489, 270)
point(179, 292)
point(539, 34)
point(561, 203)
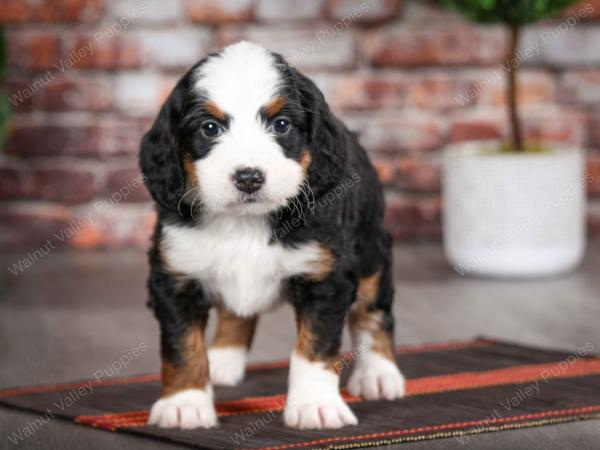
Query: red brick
point(68, 186)
point(594, 219)
point(410, 174)
point(14, 11)
point(282, 10)
point(33, 50)
point(540, 123)
point(207, 11)
point(552, 124)
point(415, 175)
point(595, 130)
point(20, 94)
point(87, 52)
point(428, 13)
point(533, 88)
point(121, 137)
point(372, 11)
point(368, 91)
point(30, 225)
point(126, 183)
point(70, 11)
point(411, 45)
point(167, 84)
point(103, 139)
point(436, 90)
point(113, 225)
point(308, 48)
point(397, 133)
point(475, 128)
point(581, 86)
point(410, 218)
point(12, 181)
point(585, 10)
point(593, 174)
point(29, 138)
point(76, 94)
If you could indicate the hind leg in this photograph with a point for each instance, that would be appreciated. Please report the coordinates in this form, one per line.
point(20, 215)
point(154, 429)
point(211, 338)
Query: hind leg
point(227, 355)
point(375, 375)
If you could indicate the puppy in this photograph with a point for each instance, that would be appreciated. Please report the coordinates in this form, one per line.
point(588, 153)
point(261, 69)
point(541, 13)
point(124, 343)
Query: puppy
point(264, 197)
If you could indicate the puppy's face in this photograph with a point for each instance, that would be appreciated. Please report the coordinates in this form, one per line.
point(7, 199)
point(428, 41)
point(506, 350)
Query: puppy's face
point(241, 133)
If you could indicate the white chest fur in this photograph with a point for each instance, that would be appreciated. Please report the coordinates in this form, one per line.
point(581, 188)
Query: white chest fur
point(232, 257)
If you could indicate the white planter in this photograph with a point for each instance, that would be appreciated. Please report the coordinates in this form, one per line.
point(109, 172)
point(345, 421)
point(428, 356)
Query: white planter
point(513, 215)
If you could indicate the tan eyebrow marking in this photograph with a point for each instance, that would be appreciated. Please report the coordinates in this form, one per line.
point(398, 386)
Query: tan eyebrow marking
point(214, 110)
point(274, 106)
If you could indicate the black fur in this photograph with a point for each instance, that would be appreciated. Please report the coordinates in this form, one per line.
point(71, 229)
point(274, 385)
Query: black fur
point(347, 215)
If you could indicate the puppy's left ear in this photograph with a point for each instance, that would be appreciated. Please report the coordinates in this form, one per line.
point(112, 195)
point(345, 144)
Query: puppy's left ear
point(325, 137)
point(159, 157)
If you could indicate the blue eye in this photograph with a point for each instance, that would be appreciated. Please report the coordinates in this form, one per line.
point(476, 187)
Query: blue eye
point(281, 126)
point(211, 129)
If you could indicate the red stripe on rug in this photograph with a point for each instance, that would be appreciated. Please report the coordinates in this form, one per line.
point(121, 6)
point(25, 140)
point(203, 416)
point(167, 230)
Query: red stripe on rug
point(415, 386)
point(425, 348)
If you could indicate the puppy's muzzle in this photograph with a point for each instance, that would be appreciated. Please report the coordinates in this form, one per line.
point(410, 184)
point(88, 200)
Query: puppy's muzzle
point(248, 180)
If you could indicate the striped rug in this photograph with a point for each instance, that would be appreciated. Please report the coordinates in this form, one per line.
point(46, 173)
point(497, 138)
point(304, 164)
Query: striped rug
point(454, 390)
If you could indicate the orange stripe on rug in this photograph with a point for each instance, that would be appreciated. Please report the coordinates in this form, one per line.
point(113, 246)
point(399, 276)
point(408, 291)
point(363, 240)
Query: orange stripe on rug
point(415, 386)
point(282, 364)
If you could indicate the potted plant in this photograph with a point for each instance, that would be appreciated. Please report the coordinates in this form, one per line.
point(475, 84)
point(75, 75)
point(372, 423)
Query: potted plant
point(4, 106)
point(515, 208)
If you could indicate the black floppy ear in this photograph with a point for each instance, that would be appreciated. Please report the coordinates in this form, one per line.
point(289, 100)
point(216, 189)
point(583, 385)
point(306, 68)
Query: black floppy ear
point(325, 137)
point(159, 157)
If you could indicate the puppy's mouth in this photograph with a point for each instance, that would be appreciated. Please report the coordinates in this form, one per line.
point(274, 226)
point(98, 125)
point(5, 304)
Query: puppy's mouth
point(251, 198)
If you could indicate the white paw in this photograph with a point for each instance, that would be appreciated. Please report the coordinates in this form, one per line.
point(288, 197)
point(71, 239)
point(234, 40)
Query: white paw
point(376, 378)
point(192, 408)
point(325, 413)
point(227, 366)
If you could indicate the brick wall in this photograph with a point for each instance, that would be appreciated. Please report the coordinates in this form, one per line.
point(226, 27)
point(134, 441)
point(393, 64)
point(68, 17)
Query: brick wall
point(87, 77)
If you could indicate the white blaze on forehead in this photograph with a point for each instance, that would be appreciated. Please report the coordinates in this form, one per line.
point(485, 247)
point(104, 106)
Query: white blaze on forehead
point(241, 80)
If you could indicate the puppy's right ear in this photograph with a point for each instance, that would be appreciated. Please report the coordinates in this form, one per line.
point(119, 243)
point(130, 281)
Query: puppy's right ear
point(159, 157)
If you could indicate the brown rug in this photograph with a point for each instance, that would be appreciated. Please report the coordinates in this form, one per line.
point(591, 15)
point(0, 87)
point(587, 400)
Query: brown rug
point(454, 389)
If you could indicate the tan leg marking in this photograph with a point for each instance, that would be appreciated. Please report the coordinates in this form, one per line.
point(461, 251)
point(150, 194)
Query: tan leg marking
point(305, 346)
point(192, 372)
point(362, 318)
point(234, 331)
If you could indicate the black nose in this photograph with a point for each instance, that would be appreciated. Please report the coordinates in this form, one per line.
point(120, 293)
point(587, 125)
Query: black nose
point(248, 180)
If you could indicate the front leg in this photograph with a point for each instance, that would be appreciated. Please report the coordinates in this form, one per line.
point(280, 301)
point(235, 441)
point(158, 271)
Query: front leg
point(186, 398)
point(314, 400)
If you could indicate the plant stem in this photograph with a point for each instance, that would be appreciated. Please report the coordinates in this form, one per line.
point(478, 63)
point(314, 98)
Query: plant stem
point(512, 65)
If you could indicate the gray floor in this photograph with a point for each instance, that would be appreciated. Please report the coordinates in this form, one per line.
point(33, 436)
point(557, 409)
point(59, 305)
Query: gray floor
point(71, 315)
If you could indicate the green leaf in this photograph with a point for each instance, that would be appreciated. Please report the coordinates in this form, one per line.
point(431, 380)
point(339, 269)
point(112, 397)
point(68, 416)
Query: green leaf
point(514, 12)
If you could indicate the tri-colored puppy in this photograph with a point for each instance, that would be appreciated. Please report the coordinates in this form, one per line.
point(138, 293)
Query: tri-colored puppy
point(242, 162)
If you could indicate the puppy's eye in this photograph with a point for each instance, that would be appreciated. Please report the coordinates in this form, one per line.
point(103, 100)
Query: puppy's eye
point(281, 126)
point(211, 129)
